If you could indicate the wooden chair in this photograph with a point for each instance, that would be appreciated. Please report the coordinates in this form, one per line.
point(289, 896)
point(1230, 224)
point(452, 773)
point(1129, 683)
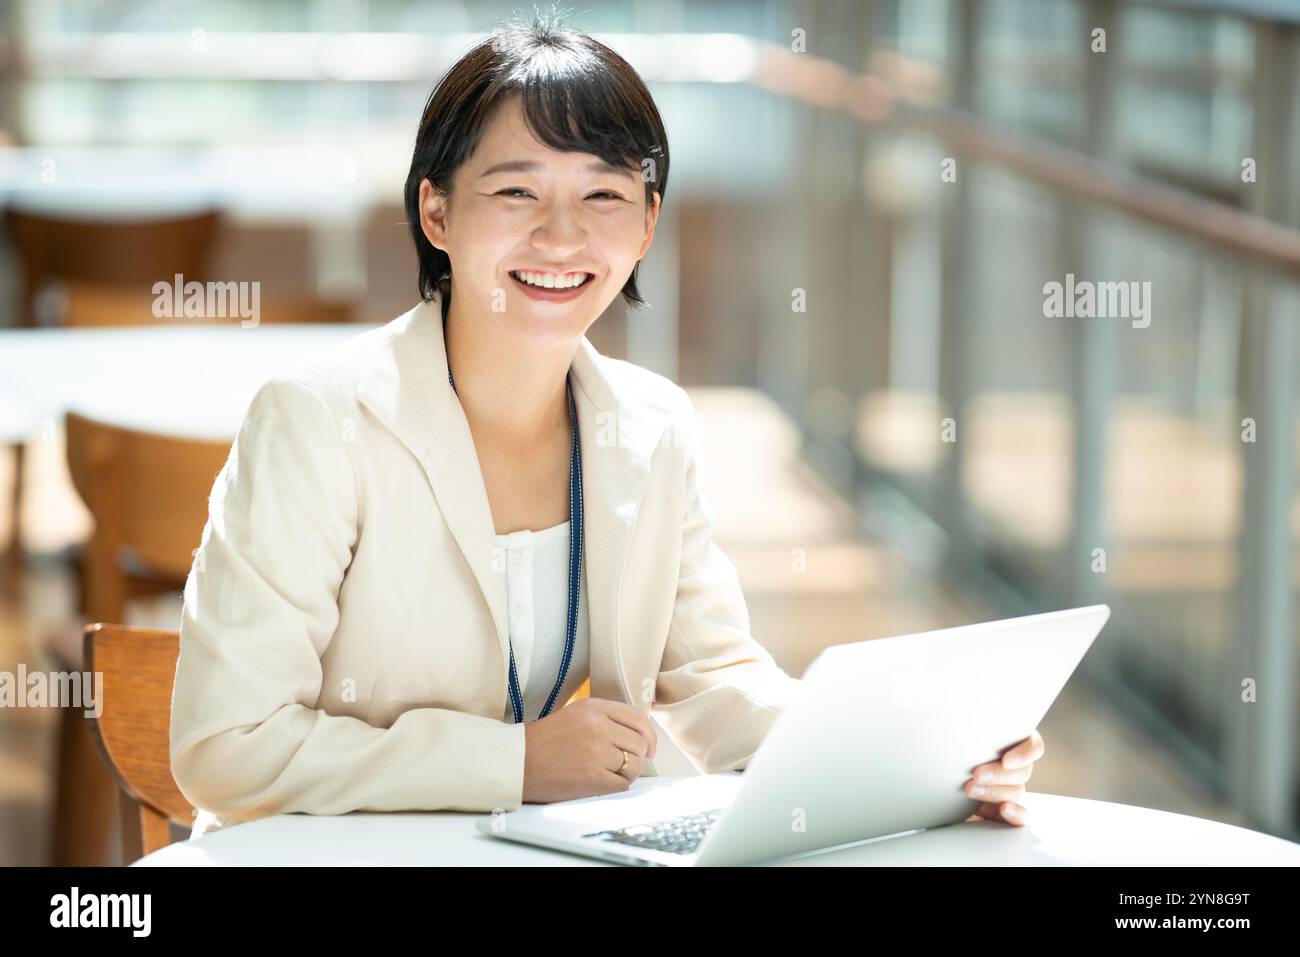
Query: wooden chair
point(93, 304)
point(100, 304)
point(115, 252)
point(132, 731)
point(53, 249)
point(148, 496)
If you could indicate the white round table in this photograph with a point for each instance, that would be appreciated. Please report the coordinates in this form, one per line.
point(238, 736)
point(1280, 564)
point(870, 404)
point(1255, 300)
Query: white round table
point(191, 382)
point(1060, 831)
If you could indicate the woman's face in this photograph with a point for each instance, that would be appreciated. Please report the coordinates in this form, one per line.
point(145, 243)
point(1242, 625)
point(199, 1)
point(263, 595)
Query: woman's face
point(519, 206)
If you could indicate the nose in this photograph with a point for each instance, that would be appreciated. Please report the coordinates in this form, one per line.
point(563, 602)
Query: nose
point(559, 234)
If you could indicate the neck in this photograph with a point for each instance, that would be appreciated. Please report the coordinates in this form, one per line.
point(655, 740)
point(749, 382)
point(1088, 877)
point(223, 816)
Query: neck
point(512, 390)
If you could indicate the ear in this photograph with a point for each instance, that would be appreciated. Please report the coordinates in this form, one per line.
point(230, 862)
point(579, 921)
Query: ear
point(652, 220)
point(433, 214)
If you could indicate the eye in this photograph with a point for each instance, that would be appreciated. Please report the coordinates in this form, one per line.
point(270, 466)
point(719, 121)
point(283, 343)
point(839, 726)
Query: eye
point(606, 193)
point(513, 189)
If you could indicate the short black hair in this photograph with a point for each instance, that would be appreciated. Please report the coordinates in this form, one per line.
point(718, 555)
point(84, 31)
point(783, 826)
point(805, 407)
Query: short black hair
point(577, 95)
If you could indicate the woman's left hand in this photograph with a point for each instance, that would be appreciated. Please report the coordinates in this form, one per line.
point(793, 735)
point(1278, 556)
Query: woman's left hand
point(1001, 784)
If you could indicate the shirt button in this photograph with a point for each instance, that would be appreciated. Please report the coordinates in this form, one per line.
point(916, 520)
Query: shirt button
point(519, 611)
point(516, 558)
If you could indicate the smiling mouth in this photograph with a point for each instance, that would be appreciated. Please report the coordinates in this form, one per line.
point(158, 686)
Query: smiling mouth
point(556, 281)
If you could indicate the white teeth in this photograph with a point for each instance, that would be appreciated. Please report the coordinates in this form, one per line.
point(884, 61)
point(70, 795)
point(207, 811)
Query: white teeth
point(550, 280)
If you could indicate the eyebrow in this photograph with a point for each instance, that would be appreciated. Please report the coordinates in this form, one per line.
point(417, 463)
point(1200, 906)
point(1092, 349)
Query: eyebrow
point(532, 166)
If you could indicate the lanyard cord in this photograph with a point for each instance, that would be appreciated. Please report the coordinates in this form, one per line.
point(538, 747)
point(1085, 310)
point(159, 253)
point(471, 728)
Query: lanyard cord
point(575, 566)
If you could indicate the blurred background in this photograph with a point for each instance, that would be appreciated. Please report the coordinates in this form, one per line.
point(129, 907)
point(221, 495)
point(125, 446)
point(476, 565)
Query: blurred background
point(867, 201)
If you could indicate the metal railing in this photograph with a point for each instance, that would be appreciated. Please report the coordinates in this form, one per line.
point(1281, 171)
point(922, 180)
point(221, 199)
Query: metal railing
point(1254, 761)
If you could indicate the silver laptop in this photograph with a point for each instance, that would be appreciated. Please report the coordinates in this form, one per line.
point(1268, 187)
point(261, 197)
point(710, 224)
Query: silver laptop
point(878, 743)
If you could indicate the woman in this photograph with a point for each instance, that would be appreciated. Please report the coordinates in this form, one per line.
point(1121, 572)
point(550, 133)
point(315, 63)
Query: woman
point(426, 540)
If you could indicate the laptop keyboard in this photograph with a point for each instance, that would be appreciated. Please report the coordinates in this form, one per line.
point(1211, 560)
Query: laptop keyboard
point(677, 835)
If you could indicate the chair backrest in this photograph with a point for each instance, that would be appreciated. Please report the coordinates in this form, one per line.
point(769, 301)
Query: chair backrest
point(92, 304)
point(133, 730)
point(112, 251)
point(102, 304)
point(148, 494)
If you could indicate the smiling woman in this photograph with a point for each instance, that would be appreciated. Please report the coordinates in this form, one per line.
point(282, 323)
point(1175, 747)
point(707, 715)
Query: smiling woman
point(576, 125)
point(426, 541)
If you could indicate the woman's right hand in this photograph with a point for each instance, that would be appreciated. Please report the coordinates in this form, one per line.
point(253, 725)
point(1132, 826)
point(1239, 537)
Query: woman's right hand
point(577, 751)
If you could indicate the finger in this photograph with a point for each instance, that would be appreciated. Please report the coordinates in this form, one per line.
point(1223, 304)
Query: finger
point(994, 792)
point(628, 740)
point(633, 769)
point(1013, 813)
point(638, 721)
point(614, 782)
point(1025, 752)
point(1020, 755)
point(1006, 812)
point(997, 774)
point(631, 717)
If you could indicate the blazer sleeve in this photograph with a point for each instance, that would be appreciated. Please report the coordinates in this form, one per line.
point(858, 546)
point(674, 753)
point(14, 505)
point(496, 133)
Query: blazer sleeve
point(260, 609)
point(718, 690)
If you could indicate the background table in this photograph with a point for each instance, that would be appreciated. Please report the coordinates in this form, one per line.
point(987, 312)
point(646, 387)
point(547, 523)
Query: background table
point(1061, 831)
point(191, 382)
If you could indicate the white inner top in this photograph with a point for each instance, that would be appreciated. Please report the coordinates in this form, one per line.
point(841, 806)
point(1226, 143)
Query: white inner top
point(537, 608)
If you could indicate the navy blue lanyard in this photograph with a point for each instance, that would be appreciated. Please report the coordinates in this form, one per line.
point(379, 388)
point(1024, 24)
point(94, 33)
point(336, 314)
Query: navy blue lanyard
point(575, 567)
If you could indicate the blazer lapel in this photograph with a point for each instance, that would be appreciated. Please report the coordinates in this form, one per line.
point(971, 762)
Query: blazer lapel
point(407, 390)
point(618, 436)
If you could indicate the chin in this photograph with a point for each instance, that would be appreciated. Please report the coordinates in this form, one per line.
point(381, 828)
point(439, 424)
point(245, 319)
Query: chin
point(549, 328)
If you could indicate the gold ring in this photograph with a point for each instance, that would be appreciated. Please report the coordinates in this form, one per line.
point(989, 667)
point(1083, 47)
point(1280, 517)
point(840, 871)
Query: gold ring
point(626, 760)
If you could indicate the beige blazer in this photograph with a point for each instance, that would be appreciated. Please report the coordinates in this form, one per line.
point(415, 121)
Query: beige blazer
point(344, 632)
